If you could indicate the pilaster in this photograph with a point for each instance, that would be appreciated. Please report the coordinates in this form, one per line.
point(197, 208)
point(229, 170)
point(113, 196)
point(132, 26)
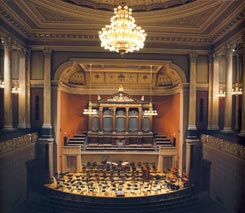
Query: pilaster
point(242, 132)
point(192, 129)
point(228, 97)
point(213, 104)
point(22, 83)
point(8, 109)
point(47, 127)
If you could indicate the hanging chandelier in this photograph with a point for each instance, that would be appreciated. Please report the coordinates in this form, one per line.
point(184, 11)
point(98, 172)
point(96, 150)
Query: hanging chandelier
point(150, 111)
point(122, 35)
point(90, 110)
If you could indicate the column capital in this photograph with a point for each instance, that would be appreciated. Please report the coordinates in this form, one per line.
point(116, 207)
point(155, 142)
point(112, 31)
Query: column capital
point(229, 49)
point(193, 56)
point(7, 42)
point(47, 52)
point(22, 51)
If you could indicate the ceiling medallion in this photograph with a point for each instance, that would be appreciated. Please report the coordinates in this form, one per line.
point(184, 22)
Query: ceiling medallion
point(122, 35)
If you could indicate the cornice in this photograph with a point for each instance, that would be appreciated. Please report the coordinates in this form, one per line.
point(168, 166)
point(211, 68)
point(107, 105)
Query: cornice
point(39, 30)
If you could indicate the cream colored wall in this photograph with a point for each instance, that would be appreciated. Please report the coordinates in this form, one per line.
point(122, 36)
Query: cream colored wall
point(115, 157)
point(202, 69)
point(222, 71)
point(37, 65)
point(15, 65)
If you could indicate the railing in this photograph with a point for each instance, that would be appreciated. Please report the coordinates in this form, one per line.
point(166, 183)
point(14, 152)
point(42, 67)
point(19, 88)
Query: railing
point(18, 142)
point(224, 145)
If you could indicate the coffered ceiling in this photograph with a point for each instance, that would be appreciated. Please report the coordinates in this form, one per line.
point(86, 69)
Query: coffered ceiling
point(169, 24)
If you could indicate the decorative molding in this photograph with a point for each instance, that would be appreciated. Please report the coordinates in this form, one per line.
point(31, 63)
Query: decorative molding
point(71, 150)
point(18, 142)
point(226, 146)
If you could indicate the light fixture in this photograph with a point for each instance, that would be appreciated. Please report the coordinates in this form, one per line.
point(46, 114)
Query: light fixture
point(16, 90)
point(2, 85)
point(236, 91)
point(122, 35)
point(221, 93)
point(90, 110)
point(150, 111)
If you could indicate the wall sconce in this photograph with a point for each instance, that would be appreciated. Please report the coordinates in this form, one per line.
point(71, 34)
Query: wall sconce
point(236, 91)
point(16, 90)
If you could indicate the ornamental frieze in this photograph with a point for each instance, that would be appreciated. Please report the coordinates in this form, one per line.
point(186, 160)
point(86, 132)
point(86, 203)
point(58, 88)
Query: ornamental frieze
point(18, 142)
point(226, 146)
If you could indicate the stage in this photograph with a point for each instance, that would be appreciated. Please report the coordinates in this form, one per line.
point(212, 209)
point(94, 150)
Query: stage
point(121, 179)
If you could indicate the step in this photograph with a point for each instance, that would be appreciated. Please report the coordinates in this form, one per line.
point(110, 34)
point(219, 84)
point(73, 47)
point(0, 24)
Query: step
point(75, 142)
point(81, 135)
point(162, 139)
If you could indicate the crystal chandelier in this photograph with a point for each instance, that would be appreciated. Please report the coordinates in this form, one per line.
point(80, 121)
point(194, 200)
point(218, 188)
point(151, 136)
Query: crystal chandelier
point(122, 35)
point(150, 111)
point(90, 110)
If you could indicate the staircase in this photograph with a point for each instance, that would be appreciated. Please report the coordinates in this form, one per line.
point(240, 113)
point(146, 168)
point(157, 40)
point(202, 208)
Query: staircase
point(162, 141)
point(78, 139)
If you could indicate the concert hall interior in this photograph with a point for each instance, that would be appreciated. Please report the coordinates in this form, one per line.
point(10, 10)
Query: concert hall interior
point(97, 117)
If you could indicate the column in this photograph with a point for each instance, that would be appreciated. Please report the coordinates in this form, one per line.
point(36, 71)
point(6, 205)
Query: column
point(101, 119)
point(184, 92)
point(28, 90)
point(228, 97)
point(237, 86)
point(126, 129)
point(114, 120)
point(192, 97)
point(213, 104)
point(192, 158)
point(160, 163)
point(90, 118)
point(47, 128)
point(242, 132)
point(22, 95)
point(150, 117)
point(140, 120)
point(8, 111)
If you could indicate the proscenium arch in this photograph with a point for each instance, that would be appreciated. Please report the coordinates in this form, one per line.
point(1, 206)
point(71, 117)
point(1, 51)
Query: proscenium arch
point(79, 66)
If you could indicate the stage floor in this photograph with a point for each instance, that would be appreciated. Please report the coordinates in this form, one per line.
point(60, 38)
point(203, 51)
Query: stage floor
point(113, 180)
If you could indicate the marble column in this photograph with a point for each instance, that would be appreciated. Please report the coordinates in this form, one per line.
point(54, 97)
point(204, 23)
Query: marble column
point(28, 90)
point(237, 86)
point(228, 98)
point(242, 132)
point(8, 108)
point(184, 94)
point(47, 127)
point(213, 100)
point(192, 97)
point(22, 95)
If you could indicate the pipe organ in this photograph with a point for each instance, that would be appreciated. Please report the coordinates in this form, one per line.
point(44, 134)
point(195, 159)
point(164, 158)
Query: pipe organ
point(120, 119)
